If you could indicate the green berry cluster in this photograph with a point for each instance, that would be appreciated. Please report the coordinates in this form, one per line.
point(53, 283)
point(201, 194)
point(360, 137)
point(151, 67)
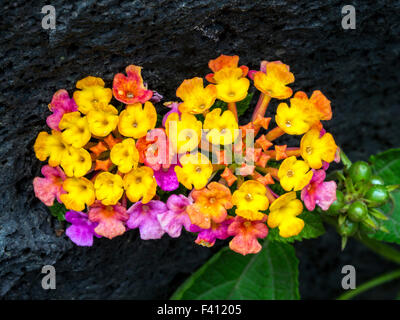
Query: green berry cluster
point(358, 197)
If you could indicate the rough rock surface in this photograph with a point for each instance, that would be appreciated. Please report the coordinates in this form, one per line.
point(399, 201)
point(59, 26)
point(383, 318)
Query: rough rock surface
point(357, 69)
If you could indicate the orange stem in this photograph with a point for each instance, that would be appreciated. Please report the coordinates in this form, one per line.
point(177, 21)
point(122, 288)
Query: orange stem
point(232, 107)
point(270, 195)
point(274, 134)
point(289, 152)
point(261, 106)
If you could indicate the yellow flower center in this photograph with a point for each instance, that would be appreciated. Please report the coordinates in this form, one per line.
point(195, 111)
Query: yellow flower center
point(231, 94)
point(309, 150)
point(288, 123)
point(290, 173)
point(202, 106)
point(138, 180)
point(134, 125)
point(212, 200)
point(95, 100)
point(198, 169)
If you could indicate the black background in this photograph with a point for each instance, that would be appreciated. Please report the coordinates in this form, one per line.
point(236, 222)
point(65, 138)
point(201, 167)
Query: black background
point(358, 70)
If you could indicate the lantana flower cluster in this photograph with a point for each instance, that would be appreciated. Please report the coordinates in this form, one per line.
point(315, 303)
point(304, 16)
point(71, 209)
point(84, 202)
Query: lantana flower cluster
point(116, 166)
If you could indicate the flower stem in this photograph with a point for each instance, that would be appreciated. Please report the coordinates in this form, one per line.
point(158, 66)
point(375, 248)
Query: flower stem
point(274, 134)
point(261, 106)
point(345, 160)
point(370, 284)
point(384, 250)
point(232, 107)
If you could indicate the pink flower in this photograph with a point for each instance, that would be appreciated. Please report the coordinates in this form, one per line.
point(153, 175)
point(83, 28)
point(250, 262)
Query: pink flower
point(60, 104)
point(174, 109)
point(319, 192)
point(207, 237)
point(111, 219)
point(81, 231)
point(176, 216)
point(144, 217)
point(166, 178)
point(246, 233)
point(50, 187)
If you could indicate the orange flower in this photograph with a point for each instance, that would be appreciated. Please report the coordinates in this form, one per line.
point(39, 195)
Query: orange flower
point(246, 233)
point(131, 89)
point(229, 177)
point(273, 82)
point(99, 148)
point(262, 122)
point(321, 103)
point(224, 61)
point(264, 142)
point(210, 204)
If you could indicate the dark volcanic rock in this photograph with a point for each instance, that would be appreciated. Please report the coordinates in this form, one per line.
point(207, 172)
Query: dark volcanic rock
point(173, 40)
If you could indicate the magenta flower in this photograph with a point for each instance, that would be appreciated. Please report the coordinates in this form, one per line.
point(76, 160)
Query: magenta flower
point(156, 97)
point(176, 216)
point(166, 178)
point(207, 237)
point(144, 217)
point(174, 108)
point(81, 231)
point(60, 104)
point(319, 192)
point(111, 219)
point(50, 187)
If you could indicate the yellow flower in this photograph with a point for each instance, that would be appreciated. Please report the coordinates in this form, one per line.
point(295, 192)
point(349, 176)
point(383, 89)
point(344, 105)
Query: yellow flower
point(184, 134)
point(283, 214)
point(250, 199)
point(231, 85)
point(108, 188)
point(294, 174)
point(297, 119)
point(80, 192)
point(273, 83)
point(92, 94)
point(315, 149)
point(223, 128)
point(125, 155)
point(196, 98)
point(102, 119)
point(140, 183)
point(76, 162)
point(76, 129)
point(135, 121)
point(50, 145)
point(196, 170)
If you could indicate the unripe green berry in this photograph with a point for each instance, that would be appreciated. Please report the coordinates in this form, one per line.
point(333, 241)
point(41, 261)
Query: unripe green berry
point(358, 211)
point(377, 195)
point(377, 180)
point(360, 171)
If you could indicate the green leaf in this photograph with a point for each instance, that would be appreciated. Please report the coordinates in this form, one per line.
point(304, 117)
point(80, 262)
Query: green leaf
point(270, 274)
point(313, 228)
point(387, 166)
point(243, 105)
point(58, 210)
